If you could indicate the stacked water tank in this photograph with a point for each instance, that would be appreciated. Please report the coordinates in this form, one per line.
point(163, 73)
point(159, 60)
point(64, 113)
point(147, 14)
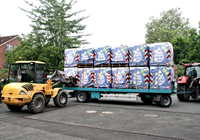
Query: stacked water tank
point(161, 62)
point(139, 70)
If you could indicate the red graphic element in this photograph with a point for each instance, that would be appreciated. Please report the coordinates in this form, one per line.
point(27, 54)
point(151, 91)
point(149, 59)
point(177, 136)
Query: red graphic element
point(150, 54)
point(126, 56)
point(151, 78)
point(77, 57)
point(108, 77)
point(130, 57)
point(92, 55)
point(168, 54)
point(147, 79)
point(126, 85)
point(145, 63)
point(146, 54)
point(78, 77)
point(169, 77)
point(127, 78)
point(168, 87)
point(107, 86)
point(111, 56)
point(108, 55)
point(144, 87)
point(167, 63)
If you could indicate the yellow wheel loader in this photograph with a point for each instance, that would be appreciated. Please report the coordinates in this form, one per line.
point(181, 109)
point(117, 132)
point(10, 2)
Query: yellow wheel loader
point(31, 89)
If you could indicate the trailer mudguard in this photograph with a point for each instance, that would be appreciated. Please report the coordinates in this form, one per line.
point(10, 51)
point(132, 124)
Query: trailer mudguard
point(183, 80)
point(95, 95)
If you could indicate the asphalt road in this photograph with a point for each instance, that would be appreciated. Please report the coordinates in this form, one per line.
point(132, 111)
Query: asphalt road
point(113, 120)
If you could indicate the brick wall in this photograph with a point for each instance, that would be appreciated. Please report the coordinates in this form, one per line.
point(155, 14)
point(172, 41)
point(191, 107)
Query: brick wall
point(14, 42)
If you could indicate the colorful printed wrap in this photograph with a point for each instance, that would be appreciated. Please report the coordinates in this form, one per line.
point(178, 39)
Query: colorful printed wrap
point(119, 55)
point(102, 55)
point(84, 74)
point(161, 54)
point(71, 71)
point(86, 56)
point(72, 56)
point(160, 77)
point(138, 55)
point(104, 78)
point(120, 77)
point(139, 77)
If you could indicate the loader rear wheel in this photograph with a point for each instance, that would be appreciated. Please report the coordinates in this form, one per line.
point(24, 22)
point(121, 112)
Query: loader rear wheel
point(183, 97)
point(61, 99)
point(37, 104)
point(165, 101)
point(14, 108)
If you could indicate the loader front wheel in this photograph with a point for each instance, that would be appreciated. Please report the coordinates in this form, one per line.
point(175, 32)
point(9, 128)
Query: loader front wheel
point(61, 99)
point(37, 104)
point(14, 108)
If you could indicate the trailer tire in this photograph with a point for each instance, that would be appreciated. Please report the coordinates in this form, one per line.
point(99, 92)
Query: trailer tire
point(37, 104)
point(183, 97)
point(165, 101)
point(146, 100)
point(14, 108)
point(61, 99)
point(82, 97)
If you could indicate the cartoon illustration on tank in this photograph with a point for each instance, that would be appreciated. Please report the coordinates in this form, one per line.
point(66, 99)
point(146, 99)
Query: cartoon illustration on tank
point(118, 56)
point(101, 56)
point(70, 58)
point(159, 56)
point(137, 55)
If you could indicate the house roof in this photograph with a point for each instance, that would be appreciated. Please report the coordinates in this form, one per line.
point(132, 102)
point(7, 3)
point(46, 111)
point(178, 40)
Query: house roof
point(6, 39)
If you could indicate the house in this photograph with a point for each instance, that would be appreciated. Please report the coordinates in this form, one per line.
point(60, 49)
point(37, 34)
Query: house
point(7, 43)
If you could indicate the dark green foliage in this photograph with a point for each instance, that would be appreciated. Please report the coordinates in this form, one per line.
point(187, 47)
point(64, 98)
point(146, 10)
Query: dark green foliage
point(54, 29)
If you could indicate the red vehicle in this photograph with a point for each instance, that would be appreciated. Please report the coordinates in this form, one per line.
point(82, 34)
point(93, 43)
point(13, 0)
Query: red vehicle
point(189, 82)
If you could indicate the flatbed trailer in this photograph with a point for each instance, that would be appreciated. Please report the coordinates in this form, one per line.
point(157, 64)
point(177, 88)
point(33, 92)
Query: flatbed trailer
point(161, 97)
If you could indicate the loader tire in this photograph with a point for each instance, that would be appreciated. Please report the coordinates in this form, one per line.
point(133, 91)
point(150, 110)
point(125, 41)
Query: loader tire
point(37, 104)
point(61, 99)
point(14, 108)
point(47, 100)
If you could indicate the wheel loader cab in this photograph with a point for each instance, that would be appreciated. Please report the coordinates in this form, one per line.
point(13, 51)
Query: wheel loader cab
point(27, 71)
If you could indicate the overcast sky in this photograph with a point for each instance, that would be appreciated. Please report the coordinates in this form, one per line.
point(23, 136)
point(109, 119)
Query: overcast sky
point(111, 22)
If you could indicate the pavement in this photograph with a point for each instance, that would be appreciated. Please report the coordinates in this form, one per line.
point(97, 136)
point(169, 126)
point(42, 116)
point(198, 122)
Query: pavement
point(104, 119)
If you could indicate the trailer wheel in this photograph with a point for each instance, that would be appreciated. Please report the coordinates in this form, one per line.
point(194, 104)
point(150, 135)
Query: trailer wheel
point(165, 101)
point(14, 108)
point(82, 97)
point(146, 100)
point(183, 97)
point(37, 104)
point(61, 99)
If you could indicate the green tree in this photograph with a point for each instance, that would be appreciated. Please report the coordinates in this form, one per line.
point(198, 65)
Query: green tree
point(187, 49)
point(54, 29)
point(167, 26)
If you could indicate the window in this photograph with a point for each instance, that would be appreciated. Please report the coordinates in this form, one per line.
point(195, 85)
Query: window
point(9, 47)
point(15, 47)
